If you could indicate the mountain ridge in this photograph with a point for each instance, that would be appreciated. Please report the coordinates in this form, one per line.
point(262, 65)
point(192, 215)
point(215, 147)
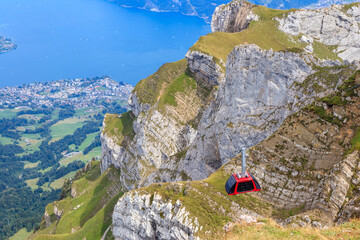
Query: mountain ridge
point(205, 9)
point(280, 90)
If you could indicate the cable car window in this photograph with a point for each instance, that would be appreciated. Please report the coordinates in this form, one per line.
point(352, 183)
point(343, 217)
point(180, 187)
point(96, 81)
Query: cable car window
point(230, 185)
point(245, 186)
point(257, 185)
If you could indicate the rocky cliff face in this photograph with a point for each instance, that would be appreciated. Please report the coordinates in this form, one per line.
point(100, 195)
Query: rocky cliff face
point(335, 26)
point(295, 105)
point(188, 134)
point(253, 102)
point(303, 163)
point(233, 17)
point(155, 218)
point(162, 129)
point(301, 167)
point(207, 71)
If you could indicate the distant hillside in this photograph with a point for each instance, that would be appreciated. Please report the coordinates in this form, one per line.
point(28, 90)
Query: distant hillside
point(283, 83)
point(48, 131)
point(205, 9)
point(285, 4)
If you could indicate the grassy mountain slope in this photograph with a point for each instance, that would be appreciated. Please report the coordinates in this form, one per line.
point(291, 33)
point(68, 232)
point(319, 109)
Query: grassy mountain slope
point(86, 211)
point(263, 33)
point(268, 229)
point(207, 200)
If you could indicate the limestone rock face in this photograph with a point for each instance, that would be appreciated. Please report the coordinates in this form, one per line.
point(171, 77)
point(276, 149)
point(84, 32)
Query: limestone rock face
point(206, 70)
point(247, 106)
point(331, 26)
point(136, 106)
point(337, 186)
point(233, 17)
point(142, 216)
point(251, 104)
point(158, 137)
point(304, 164)
point(120, 157)
point(355, 12)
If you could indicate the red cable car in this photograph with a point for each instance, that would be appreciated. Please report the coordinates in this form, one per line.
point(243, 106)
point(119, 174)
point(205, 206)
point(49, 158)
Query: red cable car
point(237, 184)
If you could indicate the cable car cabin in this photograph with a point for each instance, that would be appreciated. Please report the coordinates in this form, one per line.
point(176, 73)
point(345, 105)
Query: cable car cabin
point(236, 184)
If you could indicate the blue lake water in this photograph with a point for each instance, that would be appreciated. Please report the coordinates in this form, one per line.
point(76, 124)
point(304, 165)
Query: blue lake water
point(60, 39)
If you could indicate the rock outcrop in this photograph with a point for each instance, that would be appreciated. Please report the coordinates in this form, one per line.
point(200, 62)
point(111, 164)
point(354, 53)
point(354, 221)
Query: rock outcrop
point(174, 141)
point(161, 130)
point(207, 71)
point(233, 17)
point(293, 107)
point(251, 104)
point(332, 26)
point(178, 211)
point(146, 216)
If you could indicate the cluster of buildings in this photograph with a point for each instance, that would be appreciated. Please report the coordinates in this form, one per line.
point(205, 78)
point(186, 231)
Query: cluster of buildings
point(80, 93)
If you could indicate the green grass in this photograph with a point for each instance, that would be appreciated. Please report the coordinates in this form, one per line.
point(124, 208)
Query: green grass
point(88, 214)
point(31, 136)
point(326, 76)
point(66, 127)
point(65, 161)
point(330, 76)
point(58, 183)
point(45, 170)
point(271, 230)
point(268, 14)
point(31, 146)
point(32, 116)
point(22, 234)
point(204, 199)
point(8, 113)
point(55, 114)
point(96, 152)
point(334, 100)
point(84, 112)
point(355, 142)
point(348, 6)
point(181, 84)
point(88, 140)
point(196, 201)
point(32, 183)
point(149, 89)
point(263, 33)
point(119, 127)
point(5, 140)
point(93, 229)
point(323, 114)
point(31, 165)
point(348, 86)
point(324, 51)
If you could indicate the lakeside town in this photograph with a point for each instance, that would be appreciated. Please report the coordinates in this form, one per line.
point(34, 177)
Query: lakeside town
point(79, 93)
